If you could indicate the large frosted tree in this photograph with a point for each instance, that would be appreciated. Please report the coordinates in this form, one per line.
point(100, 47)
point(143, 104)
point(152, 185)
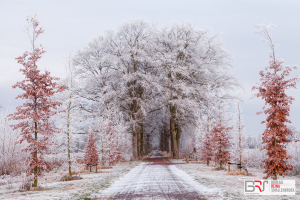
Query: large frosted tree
point(193, 63)
point(140, 69)
point(32, 118)
point(272, 89)
point(117, 72)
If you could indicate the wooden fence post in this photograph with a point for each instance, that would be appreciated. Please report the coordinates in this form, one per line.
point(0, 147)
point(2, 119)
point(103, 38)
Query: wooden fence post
point(228, 167)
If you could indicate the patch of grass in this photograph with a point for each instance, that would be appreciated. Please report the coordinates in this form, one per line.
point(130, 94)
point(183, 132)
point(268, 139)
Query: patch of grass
point(236, 173)
point(38, 189)
point(219, 169)
point(96, 186)
point(67, 177)
point(166, 159)
point(145, 160)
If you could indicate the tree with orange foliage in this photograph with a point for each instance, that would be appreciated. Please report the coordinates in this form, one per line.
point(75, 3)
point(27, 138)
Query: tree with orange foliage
point(272, 90)
point(112, 148)
point(33, 116)
point(220, 137)
point(91, 156)
point(206, 148)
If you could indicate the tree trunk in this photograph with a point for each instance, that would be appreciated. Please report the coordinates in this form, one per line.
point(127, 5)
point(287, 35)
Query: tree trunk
point(240, 138)
point(178, 134)
point(142, 140)
point(138, 142)
point(161, 142)
point(274, 143)
point(35, 158)
point(168, 142)
point(68, 135)
point(147, 147)
point(172, 146)
point(135, 130)
point(220, 153)
point(134, 144)
point(173, 133)
point(35, 152)
point(102, 153)
point(275, 175)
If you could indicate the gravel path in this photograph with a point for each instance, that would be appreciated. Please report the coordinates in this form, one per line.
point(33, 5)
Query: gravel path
point(155, 179)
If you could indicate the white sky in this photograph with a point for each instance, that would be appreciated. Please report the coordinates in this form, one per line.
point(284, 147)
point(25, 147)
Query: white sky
point(70, 25)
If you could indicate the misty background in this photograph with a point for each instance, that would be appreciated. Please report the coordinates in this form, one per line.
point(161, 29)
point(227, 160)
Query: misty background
point(70, 25)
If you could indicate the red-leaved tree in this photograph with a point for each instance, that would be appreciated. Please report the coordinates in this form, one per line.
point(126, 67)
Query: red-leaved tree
point(206, 148)
point(33, 116)
point(112, 148)
point(220, 138)
point(272, 90)
point(91, 156)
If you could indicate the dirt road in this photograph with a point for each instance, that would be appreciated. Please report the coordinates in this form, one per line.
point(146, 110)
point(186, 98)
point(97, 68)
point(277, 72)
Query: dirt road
point(155, 179)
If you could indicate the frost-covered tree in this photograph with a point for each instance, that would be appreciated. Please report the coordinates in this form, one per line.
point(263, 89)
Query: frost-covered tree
point(113, 139)
point(238, 137)
point(117, 72)
point(192, 62)
point(68, 121)
point(140, 70)
point(11, 155)
point(91, 156)
point(33, 116)
point(206, 148)
point(293, 149)
point(272, 89)
point(206, 120)
point(112, 149)
point(220, 136)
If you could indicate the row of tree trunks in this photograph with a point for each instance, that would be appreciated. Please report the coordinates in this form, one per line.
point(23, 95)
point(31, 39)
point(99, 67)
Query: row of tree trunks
point(141, 142)
point(178, 132)
point(164, 144)
point(148, 147)
point(175, 132)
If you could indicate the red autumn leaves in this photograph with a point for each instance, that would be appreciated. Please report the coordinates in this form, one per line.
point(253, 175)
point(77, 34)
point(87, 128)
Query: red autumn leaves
point(272, 88)
point(33, 116)
point(216, 141)
point(91, 153)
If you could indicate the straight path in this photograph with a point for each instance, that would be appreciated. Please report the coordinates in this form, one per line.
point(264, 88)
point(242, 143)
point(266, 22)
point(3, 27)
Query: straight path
point(156, 179)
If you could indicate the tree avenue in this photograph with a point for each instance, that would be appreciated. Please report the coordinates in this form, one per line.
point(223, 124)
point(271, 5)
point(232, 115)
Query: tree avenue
point(141, 70)
point(142, 88)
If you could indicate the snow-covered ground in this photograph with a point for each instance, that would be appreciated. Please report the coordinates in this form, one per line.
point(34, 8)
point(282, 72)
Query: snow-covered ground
point(157, 180)
point(136, 180)
point(53, 188)
point(230, 186)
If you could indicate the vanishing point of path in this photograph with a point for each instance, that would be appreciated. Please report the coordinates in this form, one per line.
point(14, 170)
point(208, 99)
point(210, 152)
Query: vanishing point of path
point(156, 179)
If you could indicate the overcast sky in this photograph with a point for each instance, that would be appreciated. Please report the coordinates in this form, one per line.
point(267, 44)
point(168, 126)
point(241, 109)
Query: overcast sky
point(70, 25)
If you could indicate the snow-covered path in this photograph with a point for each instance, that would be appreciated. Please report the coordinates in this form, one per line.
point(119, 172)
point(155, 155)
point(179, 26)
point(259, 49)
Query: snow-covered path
point(155, 180)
